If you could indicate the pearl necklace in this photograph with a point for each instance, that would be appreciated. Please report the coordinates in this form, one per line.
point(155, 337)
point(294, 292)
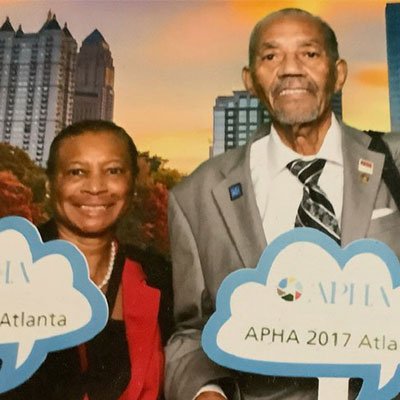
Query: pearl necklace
point(110, 267)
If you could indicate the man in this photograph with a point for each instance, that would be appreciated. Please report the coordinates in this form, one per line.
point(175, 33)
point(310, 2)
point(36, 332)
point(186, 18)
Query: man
point(225, 213)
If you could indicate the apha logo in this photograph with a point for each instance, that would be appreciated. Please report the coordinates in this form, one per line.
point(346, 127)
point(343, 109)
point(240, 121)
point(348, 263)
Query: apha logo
point(290, 289)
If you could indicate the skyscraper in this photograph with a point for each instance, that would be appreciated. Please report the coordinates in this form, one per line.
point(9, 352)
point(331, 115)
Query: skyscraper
point(36, 85)
point(94, 90)
point(393, 59)
point(336, 104)
point(235, 118)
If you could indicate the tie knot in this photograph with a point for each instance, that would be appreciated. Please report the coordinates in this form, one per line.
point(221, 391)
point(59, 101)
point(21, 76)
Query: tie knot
point(308, 172)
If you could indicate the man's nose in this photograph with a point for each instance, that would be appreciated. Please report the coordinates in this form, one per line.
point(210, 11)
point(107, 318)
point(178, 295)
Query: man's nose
point(291, 65)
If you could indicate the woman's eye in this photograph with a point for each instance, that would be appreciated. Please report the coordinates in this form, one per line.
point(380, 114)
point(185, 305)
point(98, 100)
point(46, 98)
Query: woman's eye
point(75, 172)
point(115, 170)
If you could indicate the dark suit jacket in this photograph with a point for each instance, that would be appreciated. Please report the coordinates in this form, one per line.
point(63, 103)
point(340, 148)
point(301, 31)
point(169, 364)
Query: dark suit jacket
point(212, 236)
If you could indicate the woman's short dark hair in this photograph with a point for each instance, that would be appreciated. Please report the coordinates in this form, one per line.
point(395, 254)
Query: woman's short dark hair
point(82, 127)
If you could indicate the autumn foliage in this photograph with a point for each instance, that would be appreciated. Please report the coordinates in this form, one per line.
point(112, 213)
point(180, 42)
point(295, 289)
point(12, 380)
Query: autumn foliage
point(24, 169)
point(150, 206)
point(16, 198)
point(146, 225)
point(22, 185)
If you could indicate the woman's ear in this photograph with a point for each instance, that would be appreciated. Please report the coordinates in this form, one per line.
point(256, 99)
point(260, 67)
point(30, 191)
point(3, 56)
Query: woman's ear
point(48, 188)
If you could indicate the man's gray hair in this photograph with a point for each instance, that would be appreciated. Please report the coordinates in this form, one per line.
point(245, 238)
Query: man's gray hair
point(329, 35)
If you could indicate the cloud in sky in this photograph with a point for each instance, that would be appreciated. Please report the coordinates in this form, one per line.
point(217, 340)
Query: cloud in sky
point(366, 93)
point(199, 37)
point(253, 10)
point(372, 75)
point(179, 145)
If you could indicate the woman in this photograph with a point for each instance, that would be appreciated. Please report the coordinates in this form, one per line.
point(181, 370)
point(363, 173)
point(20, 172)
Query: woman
point(92, 168)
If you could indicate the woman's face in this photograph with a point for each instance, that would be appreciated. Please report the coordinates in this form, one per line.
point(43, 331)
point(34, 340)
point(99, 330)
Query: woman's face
point(93, 183)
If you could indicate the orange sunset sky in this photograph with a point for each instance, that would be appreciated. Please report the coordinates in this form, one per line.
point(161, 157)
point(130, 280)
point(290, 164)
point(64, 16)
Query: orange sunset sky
point(173, 58)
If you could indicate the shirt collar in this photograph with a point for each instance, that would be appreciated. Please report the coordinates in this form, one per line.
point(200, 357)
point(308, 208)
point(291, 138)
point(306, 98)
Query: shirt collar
point(279, 155)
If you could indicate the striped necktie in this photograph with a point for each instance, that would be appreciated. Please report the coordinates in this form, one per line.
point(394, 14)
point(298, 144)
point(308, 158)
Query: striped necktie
point(315, 210)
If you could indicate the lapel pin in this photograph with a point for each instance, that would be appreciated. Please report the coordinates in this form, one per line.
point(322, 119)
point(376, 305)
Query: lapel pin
point(364, 177)
point(365, 166)
point(235, 191)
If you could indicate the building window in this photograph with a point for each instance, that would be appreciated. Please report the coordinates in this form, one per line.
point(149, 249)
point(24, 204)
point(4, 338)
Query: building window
point(253, 102)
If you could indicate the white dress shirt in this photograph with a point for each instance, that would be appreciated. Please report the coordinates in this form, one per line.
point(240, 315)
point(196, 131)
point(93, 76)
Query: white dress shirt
point(278, 192)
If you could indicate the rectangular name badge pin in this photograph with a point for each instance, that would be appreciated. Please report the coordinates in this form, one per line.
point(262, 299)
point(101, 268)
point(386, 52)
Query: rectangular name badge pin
point(365, 166)
point(235, 191)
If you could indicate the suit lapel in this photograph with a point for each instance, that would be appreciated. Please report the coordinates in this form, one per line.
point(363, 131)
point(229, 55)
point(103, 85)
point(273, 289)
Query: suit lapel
point(241, 215)
point(358, 195)
point(242, 218)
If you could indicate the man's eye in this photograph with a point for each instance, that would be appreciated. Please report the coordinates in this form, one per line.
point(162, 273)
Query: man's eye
point(268, 57)
point(312, 54)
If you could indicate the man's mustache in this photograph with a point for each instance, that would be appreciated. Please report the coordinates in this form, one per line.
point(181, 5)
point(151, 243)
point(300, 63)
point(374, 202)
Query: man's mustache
point(293, 83)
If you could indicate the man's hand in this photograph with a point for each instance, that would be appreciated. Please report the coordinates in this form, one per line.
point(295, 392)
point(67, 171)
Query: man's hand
point(210, 396)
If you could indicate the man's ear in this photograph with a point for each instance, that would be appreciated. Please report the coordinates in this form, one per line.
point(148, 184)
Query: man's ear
point(248, 80)
point(341, 74)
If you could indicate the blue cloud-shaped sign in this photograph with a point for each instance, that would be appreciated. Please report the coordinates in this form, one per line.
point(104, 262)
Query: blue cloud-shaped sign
point(313, 309)
point(47, 301)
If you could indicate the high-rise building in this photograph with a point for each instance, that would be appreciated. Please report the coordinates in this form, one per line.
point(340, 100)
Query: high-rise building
point(94, 90)
point(393, 59)
point(336, 104)
point(237, 117)
point(36, 85)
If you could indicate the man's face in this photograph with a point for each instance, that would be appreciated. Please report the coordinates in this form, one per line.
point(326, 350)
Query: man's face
point(292, 73)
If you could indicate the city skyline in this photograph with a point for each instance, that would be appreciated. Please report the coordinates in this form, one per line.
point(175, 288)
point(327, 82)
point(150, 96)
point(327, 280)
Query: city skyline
point(393, 59)
point(37, 85)
point(169, 69)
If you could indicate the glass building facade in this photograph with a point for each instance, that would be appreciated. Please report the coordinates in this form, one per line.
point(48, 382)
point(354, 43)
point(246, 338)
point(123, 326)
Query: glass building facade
point(94, 88)
point(393, 60)
point(235, 119)
point(36, 85)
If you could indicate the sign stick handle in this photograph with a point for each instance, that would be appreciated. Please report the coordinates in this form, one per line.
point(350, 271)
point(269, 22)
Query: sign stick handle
point(333, 388)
